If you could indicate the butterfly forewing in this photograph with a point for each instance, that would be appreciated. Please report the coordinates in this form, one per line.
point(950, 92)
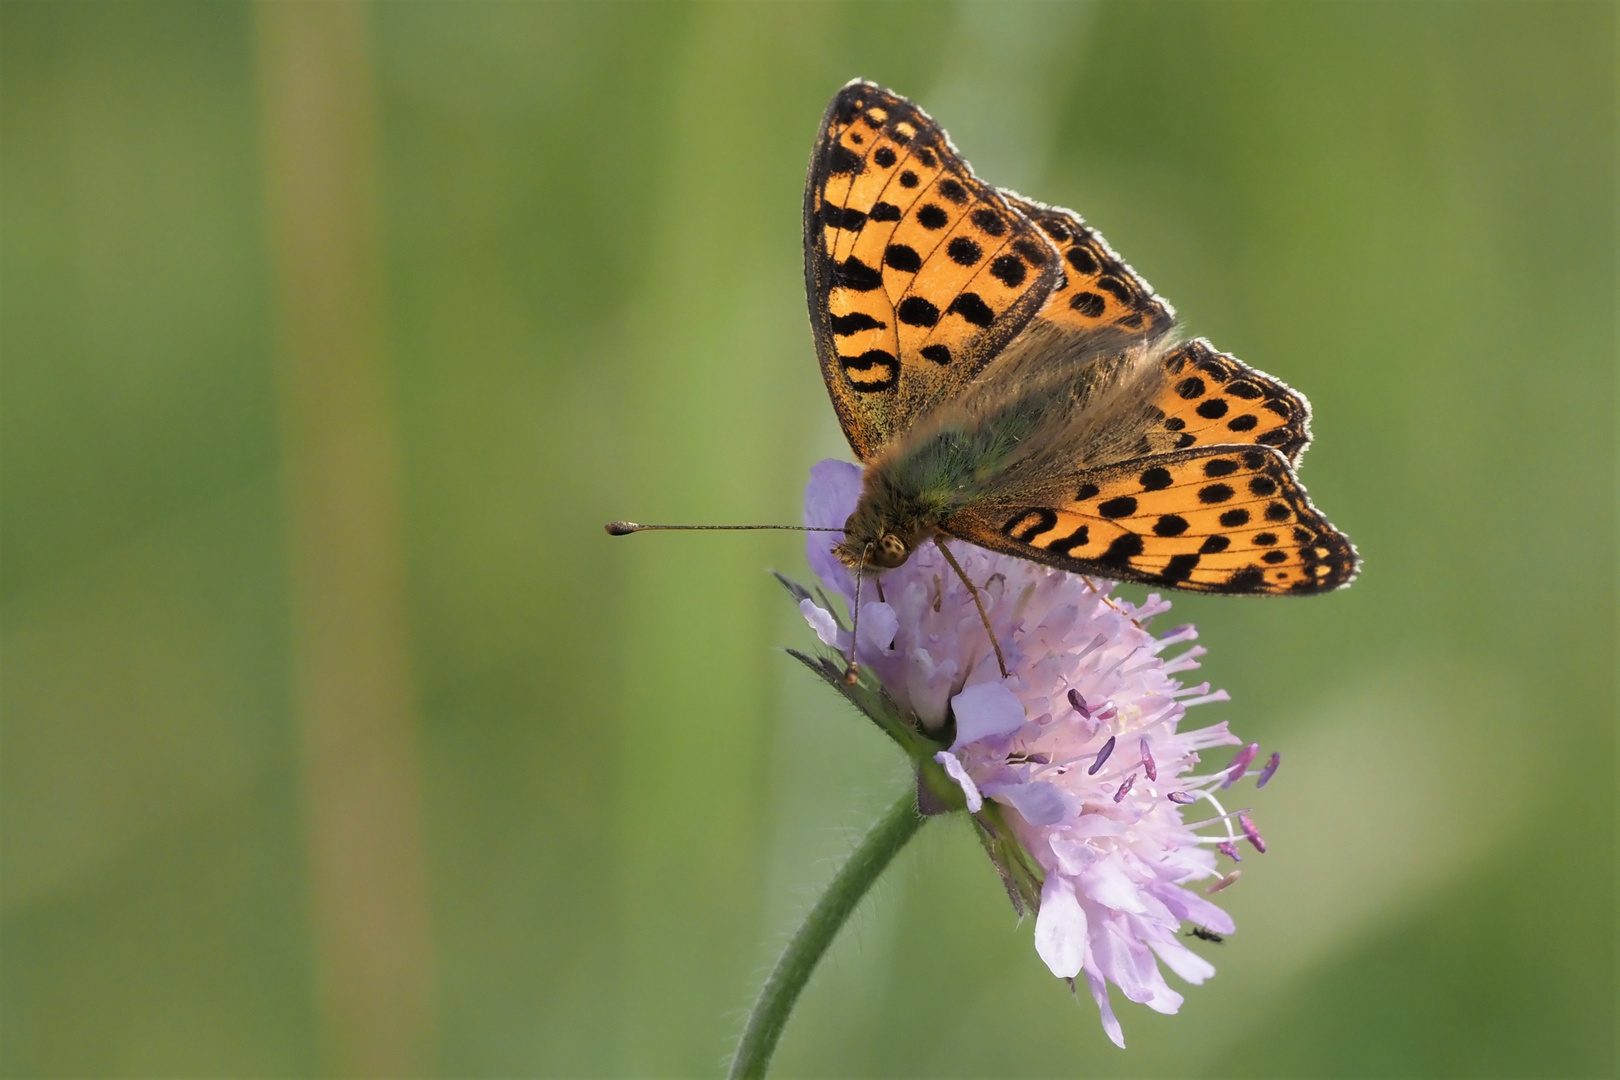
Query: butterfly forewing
point(1228, 519)
point(917, 273)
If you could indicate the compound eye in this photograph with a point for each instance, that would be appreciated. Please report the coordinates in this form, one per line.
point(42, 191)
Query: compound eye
point(892, 550)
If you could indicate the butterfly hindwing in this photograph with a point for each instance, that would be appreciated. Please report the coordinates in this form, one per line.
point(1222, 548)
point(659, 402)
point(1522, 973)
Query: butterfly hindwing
point(1211, 398)
point(917, 273)
point(1097, 293)
point(1227, 519)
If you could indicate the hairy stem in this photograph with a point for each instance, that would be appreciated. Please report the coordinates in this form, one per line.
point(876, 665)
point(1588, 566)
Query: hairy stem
point(810, 941)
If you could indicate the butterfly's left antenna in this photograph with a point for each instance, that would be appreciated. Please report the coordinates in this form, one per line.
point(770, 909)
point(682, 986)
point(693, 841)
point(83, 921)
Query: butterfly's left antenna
point(625, 528)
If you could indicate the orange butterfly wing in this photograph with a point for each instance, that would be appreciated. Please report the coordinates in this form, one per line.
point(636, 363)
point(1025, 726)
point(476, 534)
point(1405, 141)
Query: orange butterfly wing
point(1226, 519)
point(1097, 294)
point(917, 273)
point(1210, 398)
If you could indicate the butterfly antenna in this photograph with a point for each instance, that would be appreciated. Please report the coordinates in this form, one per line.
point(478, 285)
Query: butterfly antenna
point(625, 528)
point(974, 591)
point(852, 672)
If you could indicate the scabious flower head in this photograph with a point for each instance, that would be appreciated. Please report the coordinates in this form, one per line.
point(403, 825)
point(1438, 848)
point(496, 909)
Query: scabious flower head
point(1080, 749)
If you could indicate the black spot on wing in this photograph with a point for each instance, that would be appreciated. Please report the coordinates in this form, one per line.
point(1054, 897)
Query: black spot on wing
point(1249, 579)
point(902, 257)
point(952, 190)
point(856, 275)
point(1081, 260)
point(915, 311)
point(1088, 304)
point(840, 217)
point(854, 323)
point(963, 251)
point(1155, 479)
point(1125, 547)
point(973, 309)
point(1009, 270)
point(1179, 568)
point(1036, 254)
point(1066, 545)
point(989, 221)
point(842, 161)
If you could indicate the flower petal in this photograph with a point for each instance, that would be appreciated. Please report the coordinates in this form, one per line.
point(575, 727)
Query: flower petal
point(1107, 882)
point(985, 710)
point(1060, 928)
point(833, 491)
point(879, 624)
point(954, 769)
point(1182, 960)
point(929, 686)
point(821, 621)
point(1110, 1023)
point(1188, 905)
point(1038, 803)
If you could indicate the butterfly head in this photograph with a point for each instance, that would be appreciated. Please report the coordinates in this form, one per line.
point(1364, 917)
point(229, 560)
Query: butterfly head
point(877, 543)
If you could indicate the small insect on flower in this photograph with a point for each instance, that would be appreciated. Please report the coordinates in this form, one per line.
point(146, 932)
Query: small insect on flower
point(1207, 935)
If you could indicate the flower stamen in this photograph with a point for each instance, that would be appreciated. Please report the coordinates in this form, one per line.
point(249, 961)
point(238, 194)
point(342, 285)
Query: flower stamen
point(1102, 756)
point(1252, 833)
point(1269, 771)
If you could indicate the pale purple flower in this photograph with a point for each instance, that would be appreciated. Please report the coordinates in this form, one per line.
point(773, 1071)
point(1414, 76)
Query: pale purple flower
point(1080, 747)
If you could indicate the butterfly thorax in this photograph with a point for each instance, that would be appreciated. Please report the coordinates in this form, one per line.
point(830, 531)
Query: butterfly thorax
point(911, 490)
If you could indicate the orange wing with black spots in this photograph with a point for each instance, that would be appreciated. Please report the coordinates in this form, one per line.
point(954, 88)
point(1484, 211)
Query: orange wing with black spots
point(1224, 519)
point(1210, 398)
point(917, 273)
point(1097, 294)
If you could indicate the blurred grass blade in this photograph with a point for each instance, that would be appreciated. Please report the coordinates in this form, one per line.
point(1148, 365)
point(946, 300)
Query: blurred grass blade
point(342, 490)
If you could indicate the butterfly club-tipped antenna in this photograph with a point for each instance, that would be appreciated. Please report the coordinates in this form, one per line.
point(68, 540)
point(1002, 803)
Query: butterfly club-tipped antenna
point(625, 528)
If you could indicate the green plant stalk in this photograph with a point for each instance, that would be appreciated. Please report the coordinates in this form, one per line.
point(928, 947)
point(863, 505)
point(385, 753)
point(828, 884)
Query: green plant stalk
point(810, 941)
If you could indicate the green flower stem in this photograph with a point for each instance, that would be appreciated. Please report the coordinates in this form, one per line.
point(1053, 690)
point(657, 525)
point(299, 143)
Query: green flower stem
point(810, 942)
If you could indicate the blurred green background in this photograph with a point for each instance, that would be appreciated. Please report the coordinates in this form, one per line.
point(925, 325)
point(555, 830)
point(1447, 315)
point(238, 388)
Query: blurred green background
point(604, 794)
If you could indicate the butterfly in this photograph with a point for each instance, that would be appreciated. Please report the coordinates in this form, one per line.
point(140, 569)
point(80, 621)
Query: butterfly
point(1007, 380)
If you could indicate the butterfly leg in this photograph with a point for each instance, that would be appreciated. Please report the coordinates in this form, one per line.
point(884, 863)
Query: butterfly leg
point(978, 603)
point(1102, 594)
point(852, 672)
